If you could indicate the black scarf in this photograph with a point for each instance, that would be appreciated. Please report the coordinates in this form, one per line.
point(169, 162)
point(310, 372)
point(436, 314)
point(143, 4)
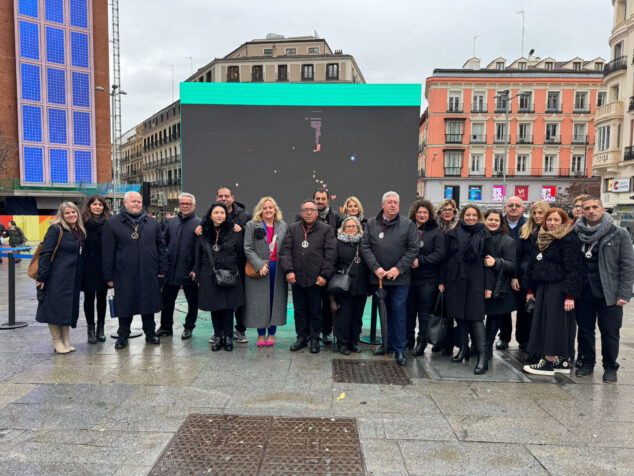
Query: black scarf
point(133, 218)
point(95, 222)
point(470, 241)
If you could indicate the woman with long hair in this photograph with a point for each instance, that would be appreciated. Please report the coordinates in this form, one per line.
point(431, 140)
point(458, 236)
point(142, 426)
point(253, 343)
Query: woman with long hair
point(447, 214)
point(267, 295)
point(59, 275)
point(94, 214)
point(352, 208)
point(555, 272)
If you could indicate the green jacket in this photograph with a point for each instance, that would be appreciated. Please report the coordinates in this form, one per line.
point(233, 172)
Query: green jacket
point(16, 237)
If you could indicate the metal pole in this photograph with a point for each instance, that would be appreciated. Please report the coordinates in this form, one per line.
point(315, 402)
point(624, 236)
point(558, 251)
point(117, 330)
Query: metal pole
point(506, 146)
point(114, 155)
point(11, 324)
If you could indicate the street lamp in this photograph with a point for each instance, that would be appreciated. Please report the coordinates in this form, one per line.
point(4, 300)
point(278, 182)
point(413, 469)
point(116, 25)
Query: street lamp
point(115, 91)
point(506, 96)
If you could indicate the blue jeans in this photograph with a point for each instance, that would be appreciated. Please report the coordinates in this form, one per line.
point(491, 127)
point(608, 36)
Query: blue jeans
point(396, 303)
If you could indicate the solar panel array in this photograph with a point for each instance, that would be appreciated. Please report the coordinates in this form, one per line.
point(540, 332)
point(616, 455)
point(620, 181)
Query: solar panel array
point(55, 78)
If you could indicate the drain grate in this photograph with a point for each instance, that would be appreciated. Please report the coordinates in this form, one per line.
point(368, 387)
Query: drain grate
point(369, 371)
point(250, 445)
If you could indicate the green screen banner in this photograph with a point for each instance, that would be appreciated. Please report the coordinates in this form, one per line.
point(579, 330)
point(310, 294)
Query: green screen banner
point(300, 94)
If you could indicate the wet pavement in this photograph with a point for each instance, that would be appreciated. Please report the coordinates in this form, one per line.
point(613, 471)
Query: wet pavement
point(103, 411)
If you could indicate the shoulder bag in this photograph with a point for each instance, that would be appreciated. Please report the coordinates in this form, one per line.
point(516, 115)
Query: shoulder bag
point(438, 323)
point(224, 277)
point(339, 283)
point(34, 264)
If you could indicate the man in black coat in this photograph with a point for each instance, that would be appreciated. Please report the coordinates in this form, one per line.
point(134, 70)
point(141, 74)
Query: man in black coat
point(514, 217)
point(134, 262)
point(389, 247)
point(307, 258)
point(180, 241)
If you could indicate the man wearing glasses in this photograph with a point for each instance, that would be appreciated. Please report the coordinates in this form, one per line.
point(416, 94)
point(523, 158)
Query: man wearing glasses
point(307, 258)
point(180, 241)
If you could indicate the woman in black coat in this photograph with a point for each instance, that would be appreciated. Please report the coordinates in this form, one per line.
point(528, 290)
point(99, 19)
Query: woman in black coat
point(467, 282)
point(59, 275)
point(94, 214)
point(502, 261)
point(220, 243)
point(423, 289)
point(555, 273)
point(349, 306)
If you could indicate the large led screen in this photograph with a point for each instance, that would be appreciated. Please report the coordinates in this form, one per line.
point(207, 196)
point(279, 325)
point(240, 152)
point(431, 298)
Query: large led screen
point(286, 140)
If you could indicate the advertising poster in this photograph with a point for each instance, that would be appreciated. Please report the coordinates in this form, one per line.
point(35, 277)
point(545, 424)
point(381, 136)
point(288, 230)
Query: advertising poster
point(549, 193)
point(521, 191)
point(498, 193)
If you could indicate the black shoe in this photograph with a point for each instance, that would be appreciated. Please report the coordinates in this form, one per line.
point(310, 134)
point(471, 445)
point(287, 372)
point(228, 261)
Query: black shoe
point(217, 343)
point(355, 348)
point(92, 338)
point(299, 344)
point(314, 346)
point(463, 354)
point(228, 344)
point(326, 339)
point(561, 366)
point(579, 361)
point(609, 376)
point(584, 370)
point(400, 358)
point(482, 366)
point(187, 333)
point(122, 343)
point(101, 336)
point(524, 347)
point(419, 348)
point(436, 348)
point(164, 332)
point(343, 349)
point(411, 344)
point(502, 345)
point(153, 339)
point(532, 359)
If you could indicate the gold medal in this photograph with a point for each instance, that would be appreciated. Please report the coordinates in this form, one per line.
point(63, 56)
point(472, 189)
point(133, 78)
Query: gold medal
point(134, 235)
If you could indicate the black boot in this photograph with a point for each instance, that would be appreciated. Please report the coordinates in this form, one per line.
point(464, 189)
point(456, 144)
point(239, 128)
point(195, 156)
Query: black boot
point(101, 335)
point(228, 344)
point(489, 348)
point(314, 346)
point(479, 337)
point(463, 353)
point(419, 348)
point(217, 343)
point(92, 338)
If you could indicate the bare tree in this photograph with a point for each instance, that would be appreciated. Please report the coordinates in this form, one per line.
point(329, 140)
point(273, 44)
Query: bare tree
point(577, 187)
point(7, 150)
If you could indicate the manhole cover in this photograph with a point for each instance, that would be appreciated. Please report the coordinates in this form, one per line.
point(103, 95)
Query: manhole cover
point(252, 445)
point(369, 371)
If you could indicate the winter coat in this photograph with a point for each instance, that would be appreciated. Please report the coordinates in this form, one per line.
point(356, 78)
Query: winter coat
point(239, 215)
point(359, 272)
point(308, 263)
point(134, 265)
point(430, 256)
point(525, 249)
point(342, 218)
point(504, 250)
point(93, 268)
point(464, 295)
point(258, 290)
point(180, 241)
point(16, 237)
point(230, 256)
point(333, 219)
point(398, 248)
point(514, 233)
point(61, 277)
point(561, 262)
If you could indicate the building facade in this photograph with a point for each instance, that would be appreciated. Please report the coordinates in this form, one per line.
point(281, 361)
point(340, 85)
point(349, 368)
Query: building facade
point(472, 151)
point(55, 129)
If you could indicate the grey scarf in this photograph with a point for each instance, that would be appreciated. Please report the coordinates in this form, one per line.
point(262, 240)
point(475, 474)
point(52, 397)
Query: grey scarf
point(324, 213)
point(588, 234)
point(345, 238)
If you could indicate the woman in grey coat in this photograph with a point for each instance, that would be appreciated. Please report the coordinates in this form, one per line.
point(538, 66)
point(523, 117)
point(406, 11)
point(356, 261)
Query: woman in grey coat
point(267, 294)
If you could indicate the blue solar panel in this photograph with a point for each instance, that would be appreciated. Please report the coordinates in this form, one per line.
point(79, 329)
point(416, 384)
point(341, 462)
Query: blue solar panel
point(57, 126)
point(56, 81)
point(81, 89)
point(32, 123)
point(81, 128)
point(31, 88)
point(29, 40)
point(79, 49)
point(58, 162)
point(83, 166)
point(28, 8)
point(55, 10)
point(79, 13)
point(54, 45)
point(33, 164)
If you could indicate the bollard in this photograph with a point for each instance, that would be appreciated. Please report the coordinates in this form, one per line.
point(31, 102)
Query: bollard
point(372, 339)
point(11, 324)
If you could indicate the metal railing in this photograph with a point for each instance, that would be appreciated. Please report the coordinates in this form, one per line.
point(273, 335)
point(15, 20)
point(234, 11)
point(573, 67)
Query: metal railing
point(615, 65)
point(477, 108)
point(478, 139)
point(628, 153)
point(524, 140)
point(580, 139)
point(453, 171)
point(454, 107)
point(453, 138)
point(552, 139)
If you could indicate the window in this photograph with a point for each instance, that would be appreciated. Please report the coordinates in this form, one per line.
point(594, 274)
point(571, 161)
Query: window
point(453, 132)
point(454, 102)
point(291, 51)
point(268, 51)
point(207, 79)
point(521, 66)
point(479, 102)
point(614, 90)
point(478, 135)
point(308, 72)
point(500, 101)
point(618, 50)
point(551, 134)
point(524, 133)
point(332, 71)
point(499, 65)
point(552, 104)
point(282, 72)
point(476, 166)
point(475, 193)
point(257, 73)
point(313, 49)
point(601, 98)
point(618, 136)
point(522, 160)
point(576, 164)
point(550, 164)
point(550, 65)
point(500, 133)
point(598, 66)
point(576, 66)
point(579, 134)
point(453, 162)
point(581, 101)
point(498, 164)
point(525, 102)
point(233, 74)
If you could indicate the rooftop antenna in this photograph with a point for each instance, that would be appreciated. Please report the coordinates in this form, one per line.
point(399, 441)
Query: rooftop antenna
point(523, 13)
point(172, 67)
point(475, 37)
point(191, 64)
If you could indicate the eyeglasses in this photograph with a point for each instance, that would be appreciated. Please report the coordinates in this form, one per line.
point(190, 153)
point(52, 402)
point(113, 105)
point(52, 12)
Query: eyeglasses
point(447, 210)
point(186, 204)
point(309, 210)
point(578, 206)
point(514, 205)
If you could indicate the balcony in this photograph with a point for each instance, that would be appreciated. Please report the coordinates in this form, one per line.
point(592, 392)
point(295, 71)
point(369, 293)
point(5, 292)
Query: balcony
point(476, 108)
point(527, 108)
point(606, 158)
point(478, 139)
point(454, 107)
point(500, 108)
point(628, 153)
point(579, 109)
point(552, 139)
point(500, 140)
point(615, 65)
point(453, 171)
point(553, 108)
point(611, 110)
point(453, 138)
point(580, 139)
point(524, 140)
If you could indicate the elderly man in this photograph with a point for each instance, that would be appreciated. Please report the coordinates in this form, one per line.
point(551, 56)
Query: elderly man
point(307, 258)
point(134, 262)
point(389, 247)
point(180, 241)
point(609, 274)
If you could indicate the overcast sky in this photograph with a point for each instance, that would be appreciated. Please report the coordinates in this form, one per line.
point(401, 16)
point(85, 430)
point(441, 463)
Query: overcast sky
point(393, 41)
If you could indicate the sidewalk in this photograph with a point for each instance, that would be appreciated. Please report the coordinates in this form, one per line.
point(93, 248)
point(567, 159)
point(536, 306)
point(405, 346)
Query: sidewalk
point(102, 411)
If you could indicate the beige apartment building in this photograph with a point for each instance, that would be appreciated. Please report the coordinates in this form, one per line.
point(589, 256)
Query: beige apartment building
point(131, 161)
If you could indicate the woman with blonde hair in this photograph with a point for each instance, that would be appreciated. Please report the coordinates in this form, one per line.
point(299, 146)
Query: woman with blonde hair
point(352, 208)
point(447, 214)
point(263, 237)
point(59, 275)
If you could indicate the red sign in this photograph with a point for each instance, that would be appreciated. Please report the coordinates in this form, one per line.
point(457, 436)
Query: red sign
point(549, 194)
point(521, 191)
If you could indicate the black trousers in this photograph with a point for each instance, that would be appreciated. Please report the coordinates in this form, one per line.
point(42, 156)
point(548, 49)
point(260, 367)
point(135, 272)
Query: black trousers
point(349, 318)
point(239, 312)
point(89, 306)
point(307, 303)
point(326, 312)
point(589, 312)
point(420, 304)
point(505, 324)
point(223, 322)
point(523, 320)
point(493, 324)
point(126, 322)
point(170, 292)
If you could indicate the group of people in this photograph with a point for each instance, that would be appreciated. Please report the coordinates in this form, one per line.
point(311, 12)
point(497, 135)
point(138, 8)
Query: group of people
point(560, 276)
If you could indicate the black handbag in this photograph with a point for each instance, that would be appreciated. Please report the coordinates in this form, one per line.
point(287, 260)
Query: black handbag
point(224, 277)
point(438, 325)
point(530, 306)
point(339, 283)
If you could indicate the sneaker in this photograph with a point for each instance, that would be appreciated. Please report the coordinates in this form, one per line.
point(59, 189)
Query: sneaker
point(241, 337)
point(561, 366)
point(609, 376)
point(584, 370)
point(543, 367)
